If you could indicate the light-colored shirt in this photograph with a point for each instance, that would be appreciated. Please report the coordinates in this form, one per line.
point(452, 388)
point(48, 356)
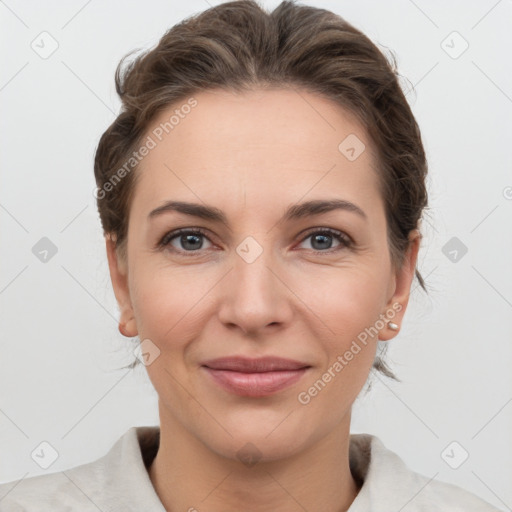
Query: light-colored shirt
point(119, 482)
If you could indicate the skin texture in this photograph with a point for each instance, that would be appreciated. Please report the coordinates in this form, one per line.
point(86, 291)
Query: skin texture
point(253, 155)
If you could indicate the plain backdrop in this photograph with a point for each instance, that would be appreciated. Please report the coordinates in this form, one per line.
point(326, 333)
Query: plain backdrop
point(60, 348)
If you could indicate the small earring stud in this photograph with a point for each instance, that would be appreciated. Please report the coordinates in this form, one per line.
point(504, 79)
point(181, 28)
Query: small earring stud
point(393, 326)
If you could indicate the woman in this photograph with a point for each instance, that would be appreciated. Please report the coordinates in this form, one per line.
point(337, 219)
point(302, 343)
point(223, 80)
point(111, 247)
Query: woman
point(260, 193)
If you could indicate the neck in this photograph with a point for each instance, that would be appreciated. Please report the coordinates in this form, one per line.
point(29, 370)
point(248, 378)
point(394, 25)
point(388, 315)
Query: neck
point(188, 475)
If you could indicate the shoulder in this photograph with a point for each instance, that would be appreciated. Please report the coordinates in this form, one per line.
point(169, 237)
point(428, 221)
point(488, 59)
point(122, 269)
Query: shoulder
point(54, 491)
point(118, 480)
point(389, 484)
point(451, 497)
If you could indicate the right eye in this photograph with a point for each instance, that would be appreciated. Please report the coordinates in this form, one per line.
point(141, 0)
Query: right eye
point(191, 240)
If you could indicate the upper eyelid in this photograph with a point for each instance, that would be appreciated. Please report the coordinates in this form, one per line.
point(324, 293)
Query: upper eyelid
point(174, 233)
point(339, 232)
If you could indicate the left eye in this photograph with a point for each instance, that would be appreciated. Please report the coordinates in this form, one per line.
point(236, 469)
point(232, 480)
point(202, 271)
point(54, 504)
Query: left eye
point(322, 238)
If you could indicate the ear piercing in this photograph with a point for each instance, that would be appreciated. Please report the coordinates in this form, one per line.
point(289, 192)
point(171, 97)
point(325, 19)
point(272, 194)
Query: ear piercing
point(393, 326)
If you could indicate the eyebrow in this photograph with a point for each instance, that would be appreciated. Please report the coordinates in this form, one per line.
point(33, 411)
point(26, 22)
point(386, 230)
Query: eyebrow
point(297, 211)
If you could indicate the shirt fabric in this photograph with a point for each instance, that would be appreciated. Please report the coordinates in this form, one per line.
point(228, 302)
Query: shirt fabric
point(119, 482)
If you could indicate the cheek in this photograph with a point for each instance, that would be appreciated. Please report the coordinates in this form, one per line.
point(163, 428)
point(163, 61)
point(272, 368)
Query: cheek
point(168, 302)
point(349, 305)
point(347, 300)
point(166, 307)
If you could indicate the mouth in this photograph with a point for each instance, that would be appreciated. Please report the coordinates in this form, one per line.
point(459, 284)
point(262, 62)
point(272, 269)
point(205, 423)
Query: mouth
point(255, 377)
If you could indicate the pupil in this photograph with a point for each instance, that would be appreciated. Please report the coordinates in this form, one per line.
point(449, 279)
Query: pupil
point(188, 238)
point(323, 238)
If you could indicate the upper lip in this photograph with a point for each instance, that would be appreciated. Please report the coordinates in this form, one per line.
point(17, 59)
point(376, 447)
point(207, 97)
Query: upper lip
point(259, 365)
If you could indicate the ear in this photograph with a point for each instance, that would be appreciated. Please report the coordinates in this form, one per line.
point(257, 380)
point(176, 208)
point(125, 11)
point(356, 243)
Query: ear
point(401, 282)
point(119, 276)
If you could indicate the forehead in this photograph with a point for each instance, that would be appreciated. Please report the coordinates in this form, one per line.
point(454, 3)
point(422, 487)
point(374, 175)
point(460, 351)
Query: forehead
point(219, 146)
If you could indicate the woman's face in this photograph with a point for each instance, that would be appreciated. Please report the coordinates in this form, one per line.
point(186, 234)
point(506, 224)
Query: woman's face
point(261, 282)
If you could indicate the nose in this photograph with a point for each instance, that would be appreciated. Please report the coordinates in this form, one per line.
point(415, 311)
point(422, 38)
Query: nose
point(255, 297)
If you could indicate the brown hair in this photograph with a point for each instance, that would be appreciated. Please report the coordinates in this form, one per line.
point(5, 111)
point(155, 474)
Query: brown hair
point(238, 46)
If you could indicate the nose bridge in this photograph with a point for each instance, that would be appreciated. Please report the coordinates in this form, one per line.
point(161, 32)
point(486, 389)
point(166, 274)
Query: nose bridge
point(254, 296)
point(251, 271)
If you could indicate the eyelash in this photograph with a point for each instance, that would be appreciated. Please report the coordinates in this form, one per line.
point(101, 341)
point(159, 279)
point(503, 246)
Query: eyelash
point(345, 241)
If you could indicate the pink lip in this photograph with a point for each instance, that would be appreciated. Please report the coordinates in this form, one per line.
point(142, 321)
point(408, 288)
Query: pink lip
point(255, 377)
point(255, 384)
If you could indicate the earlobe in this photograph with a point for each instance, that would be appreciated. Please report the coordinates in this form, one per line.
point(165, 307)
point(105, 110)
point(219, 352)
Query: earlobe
point(119, 277)
point(128, 328)
point(397, 304)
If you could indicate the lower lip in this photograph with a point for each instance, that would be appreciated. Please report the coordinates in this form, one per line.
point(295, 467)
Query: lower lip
point(255, 384)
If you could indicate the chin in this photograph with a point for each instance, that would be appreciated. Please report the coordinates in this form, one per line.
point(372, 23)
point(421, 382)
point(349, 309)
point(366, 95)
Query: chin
point(258, 442)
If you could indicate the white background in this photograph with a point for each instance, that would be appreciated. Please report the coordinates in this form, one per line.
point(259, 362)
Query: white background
point(60, 346)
